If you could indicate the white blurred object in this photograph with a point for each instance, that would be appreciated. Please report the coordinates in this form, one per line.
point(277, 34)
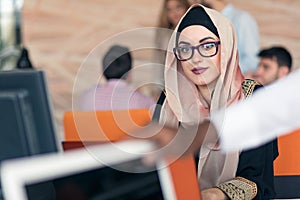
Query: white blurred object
point(270, 112)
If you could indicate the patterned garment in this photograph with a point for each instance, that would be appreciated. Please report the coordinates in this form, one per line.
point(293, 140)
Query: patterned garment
point(249, 86)
point(114, 95)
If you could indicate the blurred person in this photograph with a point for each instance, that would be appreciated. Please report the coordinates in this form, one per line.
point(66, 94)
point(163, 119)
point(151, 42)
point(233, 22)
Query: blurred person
point(246, 30)
point(199, 81)
point(116, 93)
point(275, 63)
point(171, 13)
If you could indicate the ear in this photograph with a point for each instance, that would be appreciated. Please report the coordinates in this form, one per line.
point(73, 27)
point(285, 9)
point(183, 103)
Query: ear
point(283, 71)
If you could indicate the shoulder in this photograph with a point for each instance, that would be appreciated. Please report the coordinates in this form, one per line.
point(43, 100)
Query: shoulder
point(140, 97)
point(90, 90)
point(240, 13)
point(240, 17)
point(249, 86)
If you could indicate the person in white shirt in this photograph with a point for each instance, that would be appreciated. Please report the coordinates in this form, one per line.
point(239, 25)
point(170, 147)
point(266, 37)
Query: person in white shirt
point(246, 28)
point(276, 112)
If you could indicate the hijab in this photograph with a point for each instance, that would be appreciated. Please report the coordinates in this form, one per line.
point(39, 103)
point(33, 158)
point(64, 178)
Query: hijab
point(184, 103)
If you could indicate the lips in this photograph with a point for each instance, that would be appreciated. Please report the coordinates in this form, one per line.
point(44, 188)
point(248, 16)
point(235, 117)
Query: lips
point(198, 71)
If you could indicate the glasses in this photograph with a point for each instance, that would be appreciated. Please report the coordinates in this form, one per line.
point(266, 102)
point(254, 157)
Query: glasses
point(207, 49)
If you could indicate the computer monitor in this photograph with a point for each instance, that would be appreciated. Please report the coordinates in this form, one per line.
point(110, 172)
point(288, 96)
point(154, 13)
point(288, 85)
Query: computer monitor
point(27, 126)
point(110, 171)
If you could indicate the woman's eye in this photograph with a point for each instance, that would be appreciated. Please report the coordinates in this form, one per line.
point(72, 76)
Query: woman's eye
point(208, 46)
point(185, 49)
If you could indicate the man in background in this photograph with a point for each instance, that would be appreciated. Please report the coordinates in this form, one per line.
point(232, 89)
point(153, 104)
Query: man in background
point(275, 63)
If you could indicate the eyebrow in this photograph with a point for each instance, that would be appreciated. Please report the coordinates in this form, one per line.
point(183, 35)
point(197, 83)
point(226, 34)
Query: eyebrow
point(206, 38)
point(183, 42)
point(200, 41)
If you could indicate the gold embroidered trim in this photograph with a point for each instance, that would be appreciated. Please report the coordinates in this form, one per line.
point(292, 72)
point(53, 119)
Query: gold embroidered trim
point(248, 86)
point(239, 188)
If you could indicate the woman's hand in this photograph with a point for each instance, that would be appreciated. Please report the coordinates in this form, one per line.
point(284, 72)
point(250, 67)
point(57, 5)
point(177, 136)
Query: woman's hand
point(213, 194)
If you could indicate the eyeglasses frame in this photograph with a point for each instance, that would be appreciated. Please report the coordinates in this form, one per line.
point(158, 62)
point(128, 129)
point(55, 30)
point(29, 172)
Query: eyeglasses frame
point(217, 43)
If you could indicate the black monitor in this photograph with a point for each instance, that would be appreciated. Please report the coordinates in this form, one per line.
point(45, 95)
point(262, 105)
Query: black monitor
point(27, 127)
point(111, 171)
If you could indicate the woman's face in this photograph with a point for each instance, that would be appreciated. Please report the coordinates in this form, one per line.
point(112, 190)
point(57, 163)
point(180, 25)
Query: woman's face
point(200, 70)
point(175, 10)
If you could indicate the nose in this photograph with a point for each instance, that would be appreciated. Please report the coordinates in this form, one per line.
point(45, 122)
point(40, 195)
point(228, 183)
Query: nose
point(197, 57)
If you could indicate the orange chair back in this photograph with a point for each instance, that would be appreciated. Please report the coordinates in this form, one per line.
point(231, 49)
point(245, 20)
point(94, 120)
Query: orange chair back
point(103, 126)
point(288, 161)
point(287, 167)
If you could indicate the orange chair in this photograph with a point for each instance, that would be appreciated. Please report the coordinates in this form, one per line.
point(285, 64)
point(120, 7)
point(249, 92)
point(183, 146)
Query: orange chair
point(287, 166)
point(87, 128)
point(101, 126)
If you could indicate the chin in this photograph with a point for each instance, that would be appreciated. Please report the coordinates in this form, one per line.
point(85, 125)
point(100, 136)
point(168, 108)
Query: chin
point(200, 82)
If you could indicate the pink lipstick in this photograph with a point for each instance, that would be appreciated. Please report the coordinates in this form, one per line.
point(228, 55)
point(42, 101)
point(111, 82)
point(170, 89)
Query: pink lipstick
point(198, 71)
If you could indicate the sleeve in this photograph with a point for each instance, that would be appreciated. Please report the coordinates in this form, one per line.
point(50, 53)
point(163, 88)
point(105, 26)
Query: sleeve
point(262, 117)
point(254, 177)
point(239, 188)
point(256, 165)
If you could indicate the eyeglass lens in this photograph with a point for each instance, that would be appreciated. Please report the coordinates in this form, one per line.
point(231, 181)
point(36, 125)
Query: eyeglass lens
point(208, 49)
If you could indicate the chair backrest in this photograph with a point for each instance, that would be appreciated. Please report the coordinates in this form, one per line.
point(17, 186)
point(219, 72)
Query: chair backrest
point(103, 125)
point(287, 166)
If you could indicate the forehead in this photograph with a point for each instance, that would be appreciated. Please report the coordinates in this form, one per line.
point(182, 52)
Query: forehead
point(268, 61)
point(195, 33)
point(173, 3)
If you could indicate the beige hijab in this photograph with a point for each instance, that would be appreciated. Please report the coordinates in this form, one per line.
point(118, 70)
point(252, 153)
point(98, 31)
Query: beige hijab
point(184, 103)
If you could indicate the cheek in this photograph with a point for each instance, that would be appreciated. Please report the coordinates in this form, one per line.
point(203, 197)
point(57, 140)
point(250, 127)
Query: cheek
point(185, 66)
point(182, 11)
point(214, 64)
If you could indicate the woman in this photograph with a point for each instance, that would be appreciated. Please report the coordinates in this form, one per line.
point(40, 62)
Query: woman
point(202, 75)
point(171, 13)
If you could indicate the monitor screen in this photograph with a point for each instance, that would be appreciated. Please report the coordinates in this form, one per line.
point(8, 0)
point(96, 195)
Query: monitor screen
point(27, 127)
point(109, 171)
point(106, 183)
point(18, 134)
